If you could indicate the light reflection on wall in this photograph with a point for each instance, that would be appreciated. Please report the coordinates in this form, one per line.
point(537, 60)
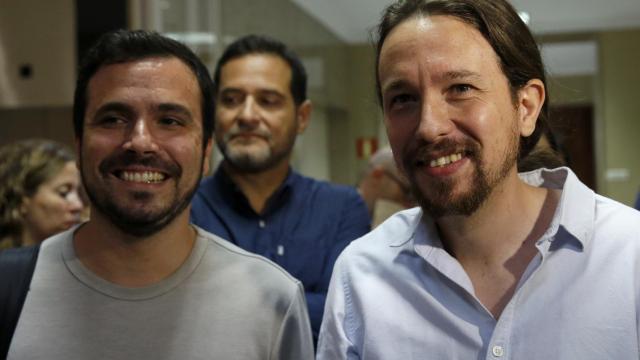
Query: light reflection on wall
point(8, 95)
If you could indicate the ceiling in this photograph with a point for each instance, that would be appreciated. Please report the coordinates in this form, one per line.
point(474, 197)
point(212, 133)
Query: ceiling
point(351, 20)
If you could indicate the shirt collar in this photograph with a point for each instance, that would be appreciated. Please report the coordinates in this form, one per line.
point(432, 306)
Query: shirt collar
point(411, 222)
point(275, 201)
point(575, 212)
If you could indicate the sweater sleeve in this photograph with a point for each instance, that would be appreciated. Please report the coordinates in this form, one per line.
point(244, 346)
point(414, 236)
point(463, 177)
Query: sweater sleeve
point(294, 338)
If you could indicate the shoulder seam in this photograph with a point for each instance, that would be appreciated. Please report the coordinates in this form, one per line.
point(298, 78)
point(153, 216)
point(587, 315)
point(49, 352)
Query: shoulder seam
point(250, 255)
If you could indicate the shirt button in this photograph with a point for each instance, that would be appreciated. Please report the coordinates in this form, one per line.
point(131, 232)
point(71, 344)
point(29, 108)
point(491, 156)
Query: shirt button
point(261, 223)
point(497, 351)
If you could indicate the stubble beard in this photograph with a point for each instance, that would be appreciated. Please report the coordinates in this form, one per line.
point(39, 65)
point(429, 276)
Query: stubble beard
point(138, 223)
point(436, 196)
point(247, 161)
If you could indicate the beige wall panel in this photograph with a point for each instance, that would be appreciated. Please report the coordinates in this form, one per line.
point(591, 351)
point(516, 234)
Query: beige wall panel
point(571, 89)
point(619, 79)
point(42, 35)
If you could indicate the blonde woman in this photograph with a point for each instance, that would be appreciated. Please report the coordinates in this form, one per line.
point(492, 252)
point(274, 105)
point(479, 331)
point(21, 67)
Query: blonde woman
point(39, 192)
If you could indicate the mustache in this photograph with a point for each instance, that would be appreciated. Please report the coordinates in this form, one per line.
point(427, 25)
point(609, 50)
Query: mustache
point(236, 131)
point(425, 152)
point(129, 158)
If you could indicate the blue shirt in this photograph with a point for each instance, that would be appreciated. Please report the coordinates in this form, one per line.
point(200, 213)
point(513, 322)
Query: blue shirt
point(397, 294)
point(304, 227)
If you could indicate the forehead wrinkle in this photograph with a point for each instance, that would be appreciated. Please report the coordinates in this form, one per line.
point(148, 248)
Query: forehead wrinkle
point(406, 51)
point(256, 71)
point(391, 51)
point(423, 74)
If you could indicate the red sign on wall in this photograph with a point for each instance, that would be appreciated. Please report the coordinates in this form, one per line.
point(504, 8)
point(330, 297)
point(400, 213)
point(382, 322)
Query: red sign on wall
point(365, 147)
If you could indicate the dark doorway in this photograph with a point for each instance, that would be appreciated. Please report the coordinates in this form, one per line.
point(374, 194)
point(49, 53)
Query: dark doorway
point(96, 17)
point(573, 126)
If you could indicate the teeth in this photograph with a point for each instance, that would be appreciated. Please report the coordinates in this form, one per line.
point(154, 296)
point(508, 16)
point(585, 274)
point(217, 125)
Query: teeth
point(147, 176)
point(445, 160)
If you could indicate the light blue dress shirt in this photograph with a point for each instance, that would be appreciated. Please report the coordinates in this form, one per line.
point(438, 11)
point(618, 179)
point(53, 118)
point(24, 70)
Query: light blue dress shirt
point(397, 294)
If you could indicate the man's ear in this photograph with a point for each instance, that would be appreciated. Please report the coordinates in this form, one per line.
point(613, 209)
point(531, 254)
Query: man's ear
point(530, 100)
point(303, 115)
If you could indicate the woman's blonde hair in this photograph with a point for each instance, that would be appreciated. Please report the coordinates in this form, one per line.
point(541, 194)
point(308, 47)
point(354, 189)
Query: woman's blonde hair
point(24, 166)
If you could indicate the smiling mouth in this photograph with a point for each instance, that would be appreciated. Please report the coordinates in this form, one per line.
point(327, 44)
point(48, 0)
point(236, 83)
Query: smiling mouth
point(148, 177)
point(245, 136)
point(445, 160)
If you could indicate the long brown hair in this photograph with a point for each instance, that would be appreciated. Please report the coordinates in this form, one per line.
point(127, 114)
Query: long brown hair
point(500, 25)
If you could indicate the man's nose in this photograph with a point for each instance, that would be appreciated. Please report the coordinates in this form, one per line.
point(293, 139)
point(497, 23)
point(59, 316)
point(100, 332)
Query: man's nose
point(435, 120)
point(75, 201)
point(249, 114)
point(140, 137)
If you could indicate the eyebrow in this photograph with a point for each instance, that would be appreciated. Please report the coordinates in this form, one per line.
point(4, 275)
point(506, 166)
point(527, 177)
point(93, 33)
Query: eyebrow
point(394, 85)
point(175, 108)
point(115, 107)
point(461, 74)
point(449, 75)
point(260, 90)
point(128, 110)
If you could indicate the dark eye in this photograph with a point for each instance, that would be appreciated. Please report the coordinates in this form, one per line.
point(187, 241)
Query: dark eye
point(64, 191)
point(170, 121)
point(270, 100)
point(401, 101)
point(111, 120)
point(461, 88)
point(229, 99)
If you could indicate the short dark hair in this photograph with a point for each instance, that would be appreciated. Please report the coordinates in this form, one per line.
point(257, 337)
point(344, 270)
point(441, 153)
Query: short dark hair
point(500, 25)
point(123, 46)
point(260, 44)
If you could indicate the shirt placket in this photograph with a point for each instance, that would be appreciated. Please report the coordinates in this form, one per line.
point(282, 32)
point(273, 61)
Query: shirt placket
point(500, 344)
point(498, 347)
point(276, 247)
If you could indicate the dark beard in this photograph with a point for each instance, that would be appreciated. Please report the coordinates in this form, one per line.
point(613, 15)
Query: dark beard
point(438, 200)
point(139, 223)
point(442, 204)
point(247, 164)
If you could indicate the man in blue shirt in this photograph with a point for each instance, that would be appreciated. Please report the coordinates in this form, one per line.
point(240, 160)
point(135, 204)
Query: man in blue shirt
point(254, 199)
point(493, 264)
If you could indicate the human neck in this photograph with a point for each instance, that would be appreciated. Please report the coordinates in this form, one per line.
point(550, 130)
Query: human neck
point(508, 217)
point(27, 238)
point(258, 187)
point(132, 261)
point(496, 243)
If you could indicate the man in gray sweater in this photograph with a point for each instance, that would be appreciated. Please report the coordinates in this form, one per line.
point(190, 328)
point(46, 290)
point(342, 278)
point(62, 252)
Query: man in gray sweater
point(138, 281)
